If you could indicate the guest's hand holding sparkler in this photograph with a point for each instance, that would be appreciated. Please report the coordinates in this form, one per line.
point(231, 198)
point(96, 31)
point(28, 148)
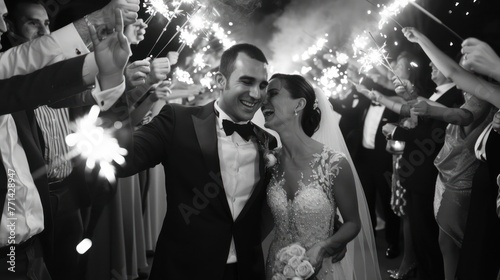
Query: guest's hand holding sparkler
point(160, 67)
point(137, 72)
point(163, 91)
point(173, 57)
point(481, 58)
point(412, 34)
point(135, 32)
point(373, 95)
point(111, 54)
point(128, 7)
point(404, 88)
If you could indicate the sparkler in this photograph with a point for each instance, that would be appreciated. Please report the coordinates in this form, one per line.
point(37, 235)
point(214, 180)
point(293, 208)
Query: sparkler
point(359, 44)
point(171, 15)
point(155, 6)
point(179, 29)
point(342, 58)
point(373, 57)
point(389, 12)
point(95, 144)
point(435, 19)
point(183, 76)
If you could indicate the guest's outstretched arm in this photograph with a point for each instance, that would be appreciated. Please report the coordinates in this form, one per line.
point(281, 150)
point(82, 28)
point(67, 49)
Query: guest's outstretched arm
point(394, 103)
point(69, 77)
point(64, 43)
point(464, 80)
point(458, 116)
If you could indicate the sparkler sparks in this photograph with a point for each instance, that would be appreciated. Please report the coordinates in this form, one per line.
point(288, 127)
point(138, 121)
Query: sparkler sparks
point(156, 6)
point(372, 57)
point(389, 12)
point(183, 76)
point(359, 44)
point(96, 145)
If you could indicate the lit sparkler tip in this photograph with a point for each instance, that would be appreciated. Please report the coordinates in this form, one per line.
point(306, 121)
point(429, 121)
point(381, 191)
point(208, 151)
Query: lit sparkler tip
point(95, 144)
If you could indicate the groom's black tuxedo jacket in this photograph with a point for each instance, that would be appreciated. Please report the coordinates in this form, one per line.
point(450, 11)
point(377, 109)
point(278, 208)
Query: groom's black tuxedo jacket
point(422, 145)
point(196, 234)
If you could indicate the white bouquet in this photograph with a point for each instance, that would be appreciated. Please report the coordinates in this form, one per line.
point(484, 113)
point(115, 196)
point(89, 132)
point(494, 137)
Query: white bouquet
point(291, 263)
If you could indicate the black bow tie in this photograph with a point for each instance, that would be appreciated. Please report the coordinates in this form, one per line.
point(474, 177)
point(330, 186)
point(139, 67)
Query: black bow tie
point(244, 130)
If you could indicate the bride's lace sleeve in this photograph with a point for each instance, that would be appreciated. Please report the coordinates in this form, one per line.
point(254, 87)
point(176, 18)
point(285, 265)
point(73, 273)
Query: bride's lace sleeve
point(330, 164)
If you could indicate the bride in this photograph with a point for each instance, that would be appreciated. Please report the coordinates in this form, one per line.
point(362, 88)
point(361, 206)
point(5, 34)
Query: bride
point(314, 185)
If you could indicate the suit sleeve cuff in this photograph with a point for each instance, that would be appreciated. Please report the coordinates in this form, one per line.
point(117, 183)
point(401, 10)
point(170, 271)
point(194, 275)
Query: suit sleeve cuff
point(70, 42)
point(393, 132)
point(106, 98)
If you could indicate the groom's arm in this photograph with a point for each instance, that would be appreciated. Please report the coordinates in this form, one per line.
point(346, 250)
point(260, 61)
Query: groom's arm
point(147, 146)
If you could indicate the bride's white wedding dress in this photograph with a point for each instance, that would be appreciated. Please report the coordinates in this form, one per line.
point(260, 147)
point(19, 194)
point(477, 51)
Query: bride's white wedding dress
point(309, 217)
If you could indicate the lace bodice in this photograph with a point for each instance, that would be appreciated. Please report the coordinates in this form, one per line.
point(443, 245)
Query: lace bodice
point(309, 217)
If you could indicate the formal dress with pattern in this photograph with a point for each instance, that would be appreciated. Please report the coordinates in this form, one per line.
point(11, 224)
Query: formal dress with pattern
point(309, 217)
point(457, 165)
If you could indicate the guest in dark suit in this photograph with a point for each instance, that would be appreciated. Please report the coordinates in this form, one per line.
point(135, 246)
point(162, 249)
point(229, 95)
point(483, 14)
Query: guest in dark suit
point(373, 162)
point(215, 176)
point(418, 175)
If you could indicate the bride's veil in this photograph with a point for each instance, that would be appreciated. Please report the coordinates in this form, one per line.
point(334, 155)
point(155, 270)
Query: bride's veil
point(361, 256)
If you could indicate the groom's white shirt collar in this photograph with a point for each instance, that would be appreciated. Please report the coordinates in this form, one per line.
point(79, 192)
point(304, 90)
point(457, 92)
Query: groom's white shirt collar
point(221, 115)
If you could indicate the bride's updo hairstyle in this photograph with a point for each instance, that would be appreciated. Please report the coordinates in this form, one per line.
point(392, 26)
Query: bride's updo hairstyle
point(301, 88)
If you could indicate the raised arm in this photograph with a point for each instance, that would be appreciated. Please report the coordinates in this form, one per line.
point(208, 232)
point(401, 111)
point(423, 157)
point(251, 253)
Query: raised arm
point(104, 19)
point(394, 103)
point(458, 116)
point(67, 42)
point(70, 77)
point(463, 79)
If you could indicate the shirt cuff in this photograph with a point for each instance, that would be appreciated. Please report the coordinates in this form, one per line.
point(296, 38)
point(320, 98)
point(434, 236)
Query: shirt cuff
point(69, 41)
point(105, 99)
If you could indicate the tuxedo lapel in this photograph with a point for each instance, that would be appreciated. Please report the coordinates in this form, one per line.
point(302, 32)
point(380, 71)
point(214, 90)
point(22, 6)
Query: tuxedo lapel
point(451, 98)
point(205, 128)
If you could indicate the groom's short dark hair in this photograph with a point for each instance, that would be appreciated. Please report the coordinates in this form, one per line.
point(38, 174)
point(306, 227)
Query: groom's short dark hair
point(229, 57)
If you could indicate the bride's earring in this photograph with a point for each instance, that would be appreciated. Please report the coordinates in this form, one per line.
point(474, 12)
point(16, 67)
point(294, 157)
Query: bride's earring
point(295, 113)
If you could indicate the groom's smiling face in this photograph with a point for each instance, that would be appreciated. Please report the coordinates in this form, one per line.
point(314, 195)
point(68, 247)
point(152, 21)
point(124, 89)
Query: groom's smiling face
point(244, 89)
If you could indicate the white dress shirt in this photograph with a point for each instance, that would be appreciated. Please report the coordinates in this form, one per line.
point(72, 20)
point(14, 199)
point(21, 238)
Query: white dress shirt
point(480, 146)
point(440, 90)
point(61, 44)
point(370, 127)
point(239, 165)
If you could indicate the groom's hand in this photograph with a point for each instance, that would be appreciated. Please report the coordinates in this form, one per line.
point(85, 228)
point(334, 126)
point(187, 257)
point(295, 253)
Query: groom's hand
point(337, 254)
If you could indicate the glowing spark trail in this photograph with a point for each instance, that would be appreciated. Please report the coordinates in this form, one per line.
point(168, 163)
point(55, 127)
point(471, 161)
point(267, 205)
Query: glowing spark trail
point(96, 145)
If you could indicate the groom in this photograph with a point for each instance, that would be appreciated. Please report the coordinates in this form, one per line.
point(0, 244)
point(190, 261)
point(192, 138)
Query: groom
point(215, 176)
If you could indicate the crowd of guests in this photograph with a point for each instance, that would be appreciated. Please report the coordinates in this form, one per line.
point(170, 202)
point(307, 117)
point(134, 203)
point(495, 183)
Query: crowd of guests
point(440, 190)
point(440, 185)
